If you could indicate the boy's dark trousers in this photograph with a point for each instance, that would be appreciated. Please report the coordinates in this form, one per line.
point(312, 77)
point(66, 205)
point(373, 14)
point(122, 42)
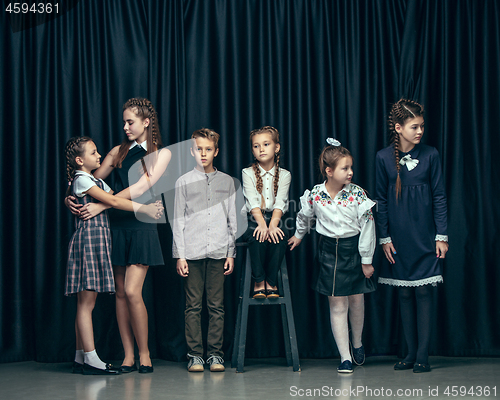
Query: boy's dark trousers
point(206, 274)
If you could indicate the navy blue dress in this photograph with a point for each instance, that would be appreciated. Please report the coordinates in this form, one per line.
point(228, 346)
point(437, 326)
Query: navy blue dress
point(134, 241)
point(414, 219)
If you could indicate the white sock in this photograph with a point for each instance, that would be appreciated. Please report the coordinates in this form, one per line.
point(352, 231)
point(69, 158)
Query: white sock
point(79, 356)
point(339, 306)
point(356, 318)
point(92, 359)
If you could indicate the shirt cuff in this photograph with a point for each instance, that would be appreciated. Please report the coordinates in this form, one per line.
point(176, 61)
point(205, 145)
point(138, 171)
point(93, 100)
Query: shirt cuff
point(442, 238)
point(385, 240)
point(298, 235)
point(366, 260)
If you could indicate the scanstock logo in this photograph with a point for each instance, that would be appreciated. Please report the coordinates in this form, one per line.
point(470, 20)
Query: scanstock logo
point(29, 13)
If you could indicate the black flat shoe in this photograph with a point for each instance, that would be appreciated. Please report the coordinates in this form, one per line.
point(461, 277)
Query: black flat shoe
point(273, 294)
point(400, 366)
point(77, 368)
point(110, 370)
point(259, 294)
point(144, 369)
point(418, 368)
point(128, 368)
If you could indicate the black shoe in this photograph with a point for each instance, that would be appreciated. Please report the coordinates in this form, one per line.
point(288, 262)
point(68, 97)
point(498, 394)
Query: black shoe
point(77, 368)
point(259, 294)
point(402, 365)
point(110, 370)
point(144, 369)
point(418, 368)
point(128, 368)
point(358, 355)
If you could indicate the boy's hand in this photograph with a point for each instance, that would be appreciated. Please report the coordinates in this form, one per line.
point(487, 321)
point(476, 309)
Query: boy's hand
point(293, 242)
point(368, 270)
point(229, 266)
point(182, 267)
point(74, 207)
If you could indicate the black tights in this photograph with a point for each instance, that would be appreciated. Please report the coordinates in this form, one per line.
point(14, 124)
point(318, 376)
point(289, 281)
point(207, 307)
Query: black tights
point(416, 307)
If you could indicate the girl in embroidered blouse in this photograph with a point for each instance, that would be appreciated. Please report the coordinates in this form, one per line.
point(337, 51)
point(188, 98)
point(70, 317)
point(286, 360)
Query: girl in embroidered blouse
point(345, 223)
point(265, 188)
point(89, 268)
point(412, 224)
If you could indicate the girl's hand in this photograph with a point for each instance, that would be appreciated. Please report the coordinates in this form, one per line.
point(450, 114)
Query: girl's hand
point(389, 250)
point(293, 242)
point(441, 249)
point(228, 266)
point(74, 207)
point(182, 267)
point(368, 270)
point(261, 233)
point(275, 234)
point(90, 210)
point(154, 210)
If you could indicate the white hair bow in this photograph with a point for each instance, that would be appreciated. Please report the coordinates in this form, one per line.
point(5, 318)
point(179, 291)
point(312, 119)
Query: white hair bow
point(333, 142)
point(409, 162)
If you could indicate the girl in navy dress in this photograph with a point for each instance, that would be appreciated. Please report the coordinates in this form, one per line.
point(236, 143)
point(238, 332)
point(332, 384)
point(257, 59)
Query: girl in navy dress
point(412, 225)
point(89, 255)
point(136, 244)
point(347, 242)
point(265, 188)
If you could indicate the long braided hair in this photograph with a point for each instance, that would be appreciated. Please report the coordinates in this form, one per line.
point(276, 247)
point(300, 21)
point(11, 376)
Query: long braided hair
point(275, 136)
point(143, 109)
point(400, 113)
point(75, 147)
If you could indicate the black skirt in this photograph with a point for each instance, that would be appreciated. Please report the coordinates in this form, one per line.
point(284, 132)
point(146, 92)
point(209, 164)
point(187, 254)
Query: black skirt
point(338, 269)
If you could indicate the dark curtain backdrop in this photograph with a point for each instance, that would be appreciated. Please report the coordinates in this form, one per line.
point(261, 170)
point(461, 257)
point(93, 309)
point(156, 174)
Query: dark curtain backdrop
point(313, 69)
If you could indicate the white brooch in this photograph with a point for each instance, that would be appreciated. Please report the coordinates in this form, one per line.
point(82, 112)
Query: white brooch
point(409, 162)
point(333, 142)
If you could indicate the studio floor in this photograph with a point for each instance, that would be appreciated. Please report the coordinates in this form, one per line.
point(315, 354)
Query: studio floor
point(451, 377)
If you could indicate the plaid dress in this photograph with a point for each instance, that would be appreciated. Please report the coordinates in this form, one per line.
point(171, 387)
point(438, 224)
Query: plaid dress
point(89, 253)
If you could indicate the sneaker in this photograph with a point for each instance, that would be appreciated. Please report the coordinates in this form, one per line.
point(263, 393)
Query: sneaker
point(195, 364)
point(345, 367)
point(358, 355)
point(216, 363)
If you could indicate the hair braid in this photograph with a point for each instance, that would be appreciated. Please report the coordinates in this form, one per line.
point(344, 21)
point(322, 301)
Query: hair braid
point(75, 147)
point(400, 112)
point(277, 173)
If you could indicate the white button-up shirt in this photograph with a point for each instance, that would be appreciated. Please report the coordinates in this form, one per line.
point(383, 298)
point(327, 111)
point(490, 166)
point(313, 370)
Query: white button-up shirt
point(253, 198)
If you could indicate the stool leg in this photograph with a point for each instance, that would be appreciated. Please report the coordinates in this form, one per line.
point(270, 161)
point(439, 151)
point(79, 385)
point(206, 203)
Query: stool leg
point(290, 328)
point(238, 358)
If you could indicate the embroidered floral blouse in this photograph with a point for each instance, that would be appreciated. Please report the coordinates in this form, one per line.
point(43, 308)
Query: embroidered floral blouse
point(346, 215)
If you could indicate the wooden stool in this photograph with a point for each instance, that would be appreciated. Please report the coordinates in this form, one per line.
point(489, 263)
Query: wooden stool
point(240, 334)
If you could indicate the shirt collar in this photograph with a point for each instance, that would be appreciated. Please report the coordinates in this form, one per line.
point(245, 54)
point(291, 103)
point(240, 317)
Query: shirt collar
point(80, 172)
point(346, 188)
point(144, 145)
point(209, 174)
point(271, 172)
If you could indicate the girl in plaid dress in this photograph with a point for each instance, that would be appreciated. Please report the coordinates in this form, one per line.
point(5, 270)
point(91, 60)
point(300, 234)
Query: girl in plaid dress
point(89, 268)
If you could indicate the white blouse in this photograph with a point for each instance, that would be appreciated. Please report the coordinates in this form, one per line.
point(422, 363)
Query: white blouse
point(346, 215)
point(252, 196)
point(85, 182)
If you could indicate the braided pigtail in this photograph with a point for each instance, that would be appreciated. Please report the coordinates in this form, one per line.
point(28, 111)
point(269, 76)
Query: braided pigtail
point(259, 184)
point(400, 113)
point(75, 147)
point(277, 173)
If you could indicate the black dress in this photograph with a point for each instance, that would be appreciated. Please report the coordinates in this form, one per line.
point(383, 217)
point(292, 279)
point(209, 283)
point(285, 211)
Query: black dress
point(134, 241)
point(415, 219)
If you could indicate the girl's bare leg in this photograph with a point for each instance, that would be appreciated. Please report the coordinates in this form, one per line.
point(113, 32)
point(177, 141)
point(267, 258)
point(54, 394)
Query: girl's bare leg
point(123, 316)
